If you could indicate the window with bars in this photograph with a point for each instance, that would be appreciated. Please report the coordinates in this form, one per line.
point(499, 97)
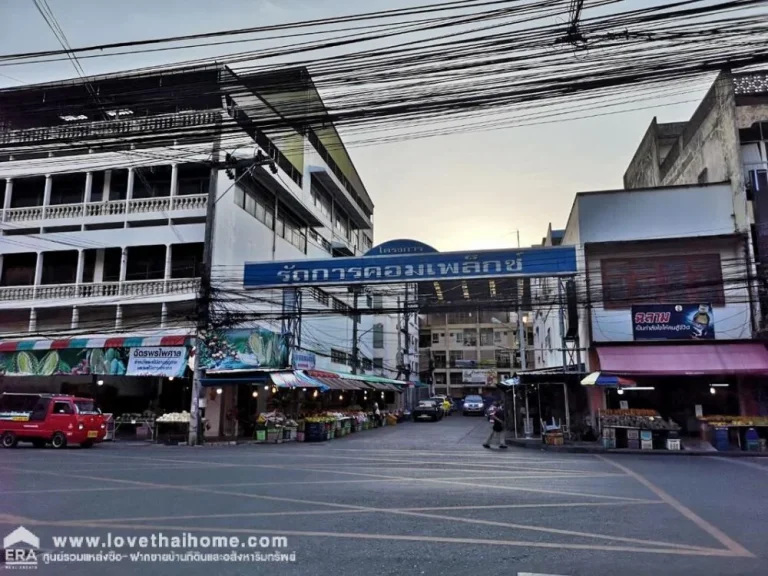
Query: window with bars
point(686, 278)
point(339, 356)
point(320, 296)
point(378, 335)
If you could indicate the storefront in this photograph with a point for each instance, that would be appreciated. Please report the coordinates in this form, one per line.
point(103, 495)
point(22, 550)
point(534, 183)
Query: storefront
point(687, 387)
point(135, 380)
point(255, 406)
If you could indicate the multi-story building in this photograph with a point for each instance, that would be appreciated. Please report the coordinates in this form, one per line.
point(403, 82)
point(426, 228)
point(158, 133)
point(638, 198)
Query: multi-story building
point(723, 141)
point(395, 343)
point(470, 351)
point(663, 300)
point(114, 183)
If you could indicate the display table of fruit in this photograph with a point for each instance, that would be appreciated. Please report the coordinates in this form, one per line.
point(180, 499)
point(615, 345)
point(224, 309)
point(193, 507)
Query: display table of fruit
point(635, 418)
point(727, 421)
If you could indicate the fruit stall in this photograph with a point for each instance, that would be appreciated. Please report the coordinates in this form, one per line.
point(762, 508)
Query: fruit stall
point(638, 430)
point(735, 432)
point(275, 427)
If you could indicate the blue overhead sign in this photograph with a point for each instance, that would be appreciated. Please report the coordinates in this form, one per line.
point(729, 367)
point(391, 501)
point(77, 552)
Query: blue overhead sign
point(412, 267)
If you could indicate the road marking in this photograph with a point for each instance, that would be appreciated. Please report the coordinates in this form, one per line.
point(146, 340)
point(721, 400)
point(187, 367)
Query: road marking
point(345, 511)
point(713, 531)
point(535, 574)
point(383, 510)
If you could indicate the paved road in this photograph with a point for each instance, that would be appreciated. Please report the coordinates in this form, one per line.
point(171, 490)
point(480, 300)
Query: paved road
point(413, 499)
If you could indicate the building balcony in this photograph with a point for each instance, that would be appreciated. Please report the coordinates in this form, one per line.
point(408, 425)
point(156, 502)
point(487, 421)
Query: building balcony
point(22, 296)
point(30, 215)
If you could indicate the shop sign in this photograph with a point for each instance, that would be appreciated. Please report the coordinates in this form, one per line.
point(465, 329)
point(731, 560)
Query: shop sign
point(486, 377)
point(85, 361)
point(673, 322)
point(243, 349)
point(168, 361)
point(303, 361)
point(399, 267)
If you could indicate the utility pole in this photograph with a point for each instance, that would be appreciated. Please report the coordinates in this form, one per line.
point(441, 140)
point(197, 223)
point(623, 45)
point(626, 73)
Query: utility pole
point(203, 304)
point(407, 343)
point(355, 319)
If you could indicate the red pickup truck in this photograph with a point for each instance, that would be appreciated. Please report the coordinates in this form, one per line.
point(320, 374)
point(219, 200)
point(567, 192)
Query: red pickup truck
point(49, 419)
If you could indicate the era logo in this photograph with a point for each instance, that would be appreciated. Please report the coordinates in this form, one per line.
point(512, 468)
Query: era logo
point(15, 556)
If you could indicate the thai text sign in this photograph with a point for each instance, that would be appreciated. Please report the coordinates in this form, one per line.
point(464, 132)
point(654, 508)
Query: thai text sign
point(673, 322)
point(168, 361)
point(399, 268)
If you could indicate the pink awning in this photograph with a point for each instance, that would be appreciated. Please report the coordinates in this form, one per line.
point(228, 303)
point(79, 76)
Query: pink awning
point(685, 360)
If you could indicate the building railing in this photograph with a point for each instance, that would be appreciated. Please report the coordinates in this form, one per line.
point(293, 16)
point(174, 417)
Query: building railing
point(130, 288)
point(108, 208)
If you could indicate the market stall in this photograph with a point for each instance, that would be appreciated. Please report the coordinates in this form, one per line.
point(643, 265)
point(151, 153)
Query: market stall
point(735, 432)
point(638, 430)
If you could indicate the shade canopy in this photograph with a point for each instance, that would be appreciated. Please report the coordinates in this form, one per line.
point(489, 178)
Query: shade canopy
point(736, 359)
point(600, 379)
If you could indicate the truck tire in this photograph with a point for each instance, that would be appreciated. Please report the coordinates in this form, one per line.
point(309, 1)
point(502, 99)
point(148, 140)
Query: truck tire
point(9, 440)
point(58, 440)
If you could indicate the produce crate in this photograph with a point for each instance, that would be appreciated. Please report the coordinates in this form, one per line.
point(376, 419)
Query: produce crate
point(609, 443)
point(673, 444)
point(272, 435)
point(633, 434)
point(646, 444)
point(633, 444)
point(646, 435)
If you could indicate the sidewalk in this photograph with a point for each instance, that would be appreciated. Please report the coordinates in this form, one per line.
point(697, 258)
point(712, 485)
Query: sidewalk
point(595, 448)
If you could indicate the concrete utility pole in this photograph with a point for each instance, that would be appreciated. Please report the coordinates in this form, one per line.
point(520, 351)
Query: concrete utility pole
point(407, 343)
point(355, 318)
point(203, 304)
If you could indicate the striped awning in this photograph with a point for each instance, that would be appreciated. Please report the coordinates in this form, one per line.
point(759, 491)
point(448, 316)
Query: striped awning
point(335, 381)
point(295, 379)
point(125, 342)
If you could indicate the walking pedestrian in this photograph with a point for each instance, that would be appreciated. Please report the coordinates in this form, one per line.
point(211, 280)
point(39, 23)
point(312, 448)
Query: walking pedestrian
point(497, 418)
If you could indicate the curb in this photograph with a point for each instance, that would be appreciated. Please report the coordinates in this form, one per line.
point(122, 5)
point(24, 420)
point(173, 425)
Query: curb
point(619, 451)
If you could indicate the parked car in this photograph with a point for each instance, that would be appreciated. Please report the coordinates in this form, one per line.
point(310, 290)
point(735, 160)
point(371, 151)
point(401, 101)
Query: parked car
point(52, 419)
point(427, 410)
point(473, 405)
point(443, 402)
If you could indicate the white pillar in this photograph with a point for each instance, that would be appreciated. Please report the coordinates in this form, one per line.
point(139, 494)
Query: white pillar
point(47, 192)
point(38, 274)
point(129, 186)
point(32, 320)
point(75, 318)
point(164, 315)
point(39, 269)
point(167, 275)
point(98, 267)
point(119, 318)
point(80, 264)
point(105, 188)
point(168, 254)
point(88, 187)
point(8, 194)
point(174, 181)
point(123, 264)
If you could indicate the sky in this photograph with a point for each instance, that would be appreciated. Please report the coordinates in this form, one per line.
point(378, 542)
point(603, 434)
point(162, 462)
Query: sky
point(465, 191)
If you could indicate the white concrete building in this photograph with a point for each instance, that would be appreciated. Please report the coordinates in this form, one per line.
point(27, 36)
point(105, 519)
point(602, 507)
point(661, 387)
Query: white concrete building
point(104, 204)
point(723, 141)
point(470, 351)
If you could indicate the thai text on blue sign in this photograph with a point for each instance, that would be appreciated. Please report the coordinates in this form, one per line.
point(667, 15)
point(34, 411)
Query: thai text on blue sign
point(550, 261)
point(673, 322)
